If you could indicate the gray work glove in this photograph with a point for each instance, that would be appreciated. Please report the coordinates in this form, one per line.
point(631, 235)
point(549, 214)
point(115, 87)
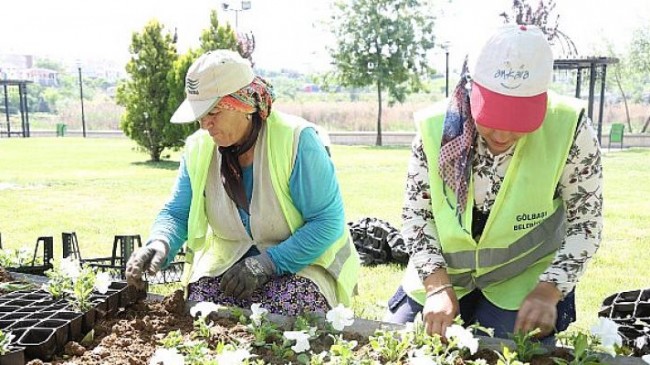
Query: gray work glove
point(248, 275)
point(149, 258)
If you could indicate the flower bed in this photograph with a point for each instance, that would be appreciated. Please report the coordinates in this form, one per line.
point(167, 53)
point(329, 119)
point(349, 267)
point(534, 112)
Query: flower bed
point(139, 333)
point(162, 328)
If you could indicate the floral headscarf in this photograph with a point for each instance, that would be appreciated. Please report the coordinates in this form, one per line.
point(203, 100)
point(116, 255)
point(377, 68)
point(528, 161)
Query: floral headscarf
point(456, 151)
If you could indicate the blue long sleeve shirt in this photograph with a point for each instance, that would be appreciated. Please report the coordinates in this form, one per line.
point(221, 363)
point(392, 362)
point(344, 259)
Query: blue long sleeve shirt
point(315, 193)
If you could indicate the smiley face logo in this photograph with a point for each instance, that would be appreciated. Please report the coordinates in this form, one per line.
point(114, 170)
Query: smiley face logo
point(510, 77)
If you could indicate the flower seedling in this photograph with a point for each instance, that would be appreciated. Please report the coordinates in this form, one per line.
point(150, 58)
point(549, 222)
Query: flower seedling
point(583, 349)
point(507, 357)
point(263, 329)
point(525, 345)
point(5, 341)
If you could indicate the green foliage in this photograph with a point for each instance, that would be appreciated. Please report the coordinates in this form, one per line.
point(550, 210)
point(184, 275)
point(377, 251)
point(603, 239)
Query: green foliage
point(382, 43)
point(5, 341)
point(218, 37)
point(583, 349)
point(17, 257)
point(59, 283)
point(507, 357)
point(172, 339)
point(526, 346)
point(391, 345)
point(82, 288)
point(146, 94)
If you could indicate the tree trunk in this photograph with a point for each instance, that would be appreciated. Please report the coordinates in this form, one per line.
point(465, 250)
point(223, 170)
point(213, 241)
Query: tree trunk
point(627, 108)
point(379, 113)
point(645, 126)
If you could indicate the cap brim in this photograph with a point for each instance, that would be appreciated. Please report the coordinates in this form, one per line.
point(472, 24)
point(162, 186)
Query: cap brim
point(190, 111)
point(508, 113)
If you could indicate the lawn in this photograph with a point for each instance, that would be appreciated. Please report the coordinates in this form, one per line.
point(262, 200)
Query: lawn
point(100, 188)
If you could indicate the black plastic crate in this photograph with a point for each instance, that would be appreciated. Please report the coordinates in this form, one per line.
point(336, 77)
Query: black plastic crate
point(47, 244)
point(123, 246)
point(631, 311)
point(42, 326)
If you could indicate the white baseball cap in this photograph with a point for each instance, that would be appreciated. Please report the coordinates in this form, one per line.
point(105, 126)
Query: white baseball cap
point(511, 78)
point(212, 76)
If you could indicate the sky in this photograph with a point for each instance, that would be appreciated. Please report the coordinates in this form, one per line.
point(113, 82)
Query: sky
point(290, 34)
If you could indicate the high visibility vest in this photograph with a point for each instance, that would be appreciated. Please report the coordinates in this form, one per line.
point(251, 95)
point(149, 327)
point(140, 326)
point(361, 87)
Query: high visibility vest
point(210, 252)
point(526, 225)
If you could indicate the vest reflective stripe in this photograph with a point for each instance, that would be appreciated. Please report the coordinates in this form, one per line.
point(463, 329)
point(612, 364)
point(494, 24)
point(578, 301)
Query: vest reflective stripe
point(340, 260)
point(550, 233)
point(526, 225)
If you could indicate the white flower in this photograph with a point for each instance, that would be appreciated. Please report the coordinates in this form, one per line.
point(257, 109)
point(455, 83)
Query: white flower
point(302, 340)
point(607, 331)
point(232, 357)
point(71, 268)
point(203, 309)
point(464, 336)
point(640, 342)
point(166, 357)
point(258, 313)
point(646, 358)
point(102, 282)
point(418, 357)
point(340, 317)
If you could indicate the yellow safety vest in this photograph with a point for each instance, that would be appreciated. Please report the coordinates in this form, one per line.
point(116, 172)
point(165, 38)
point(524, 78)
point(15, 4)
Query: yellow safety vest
point(340, 261)
point(526, 225)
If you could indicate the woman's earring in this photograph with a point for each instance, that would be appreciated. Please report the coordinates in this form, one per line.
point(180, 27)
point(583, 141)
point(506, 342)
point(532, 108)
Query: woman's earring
point(249, 116)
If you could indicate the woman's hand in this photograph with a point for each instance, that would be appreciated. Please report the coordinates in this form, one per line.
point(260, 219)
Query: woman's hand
point(539, 310)
point(441, 305)
point(439, 311)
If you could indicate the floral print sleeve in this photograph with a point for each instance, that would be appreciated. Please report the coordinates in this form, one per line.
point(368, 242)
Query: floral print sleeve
point(581, 189)
point(418, 227)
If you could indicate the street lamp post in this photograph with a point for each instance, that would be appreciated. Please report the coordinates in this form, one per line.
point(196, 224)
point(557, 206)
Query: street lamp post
point(244, 5)
point(81, 97)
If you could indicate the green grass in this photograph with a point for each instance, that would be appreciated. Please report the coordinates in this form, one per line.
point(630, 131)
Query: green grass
point(100, 188)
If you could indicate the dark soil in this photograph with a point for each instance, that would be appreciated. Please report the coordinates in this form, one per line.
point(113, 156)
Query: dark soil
point(5, 276)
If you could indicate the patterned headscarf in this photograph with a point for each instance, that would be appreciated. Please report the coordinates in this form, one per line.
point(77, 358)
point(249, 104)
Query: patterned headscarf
point(255, 100)
point(456, 151)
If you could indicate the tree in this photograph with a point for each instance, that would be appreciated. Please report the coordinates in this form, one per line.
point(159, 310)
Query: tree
point(146, 94)
point(382, 43)
point(640, 58)
point(523, 13)
point(218, 37)
point(215, 37)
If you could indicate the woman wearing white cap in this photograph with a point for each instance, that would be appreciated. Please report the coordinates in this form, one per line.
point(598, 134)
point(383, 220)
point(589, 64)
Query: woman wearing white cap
point(256, 200)
point(503, 199)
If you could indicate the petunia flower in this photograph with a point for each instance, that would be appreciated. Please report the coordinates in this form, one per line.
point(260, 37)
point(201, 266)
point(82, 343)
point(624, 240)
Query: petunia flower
point(340, 317)
point(71, 268)
point(464, 336)
point(102, 282)
point(258, 313)
point(232, 357)
point(302, 340)
point(607, 331)
point(164, 356)
point(418, 357)
point(203, 309)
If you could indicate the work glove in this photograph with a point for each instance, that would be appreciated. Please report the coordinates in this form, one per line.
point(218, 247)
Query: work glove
point(149, 258)
point(248, 275)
